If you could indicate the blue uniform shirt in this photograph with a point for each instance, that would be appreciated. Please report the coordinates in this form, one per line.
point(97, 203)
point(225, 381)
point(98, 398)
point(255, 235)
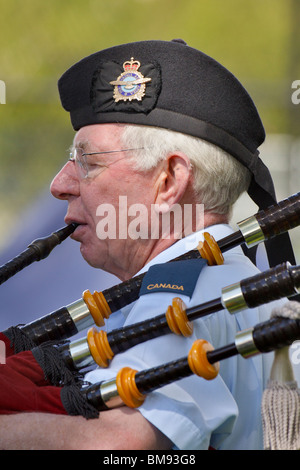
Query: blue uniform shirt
point(224, 413)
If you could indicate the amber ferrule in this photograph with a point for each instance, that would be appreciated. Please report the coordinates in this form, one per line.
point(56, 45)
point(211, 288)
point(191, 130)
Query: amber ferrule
point(97, 306)
point(177, 318)
point(99, 341)
point(127, 389)
point(196, 363)
point(99, 347)
point(210, 250)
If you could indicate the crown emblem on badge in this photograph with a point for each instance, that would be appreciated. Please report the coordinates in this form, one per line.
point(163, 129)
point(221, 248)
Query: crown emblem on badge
point(131, 65)
point(131, 84)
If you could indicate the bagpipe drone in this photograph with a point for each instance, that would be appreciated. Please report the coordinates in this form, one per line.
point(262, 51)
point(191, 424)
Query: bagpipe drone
point(49, 371)
point(95, 308)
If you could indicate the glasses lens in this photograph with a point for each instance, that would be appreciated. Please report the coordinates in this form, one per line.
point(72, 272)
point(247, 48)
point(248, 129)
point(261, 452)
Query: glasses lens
point(80, 162)
point(88, 165)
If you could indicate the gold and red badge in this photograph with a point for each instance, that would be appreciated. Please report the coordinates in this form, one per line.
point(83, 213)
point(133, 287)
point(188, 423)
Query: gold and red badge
point(131, 84)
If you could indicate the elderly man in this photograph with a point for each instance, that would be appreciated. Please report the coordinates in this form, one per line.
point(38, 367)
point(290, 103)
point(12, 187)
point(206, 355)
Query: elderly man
point(161, 126)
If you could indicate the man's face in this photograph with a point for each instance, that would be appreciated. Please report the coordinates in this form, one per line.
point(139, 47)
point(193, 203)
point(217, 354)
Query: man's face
point(86, 198)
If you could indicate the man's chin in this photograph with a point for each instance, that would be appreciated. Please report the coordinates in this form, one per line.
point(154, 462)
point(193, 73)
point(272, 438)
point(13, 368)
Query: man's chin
point(91, 258)
point(87, 256)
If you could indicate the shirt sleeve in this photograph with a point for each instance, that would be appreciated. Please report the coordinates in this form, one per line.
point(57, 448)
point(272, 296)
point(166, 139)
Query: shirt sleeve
point(192, 412)
point(188, 410)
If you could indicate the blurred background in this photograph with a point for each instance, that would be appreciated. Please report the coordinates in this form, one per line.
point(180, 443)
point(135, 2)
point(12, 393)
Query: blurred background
point(259, 41)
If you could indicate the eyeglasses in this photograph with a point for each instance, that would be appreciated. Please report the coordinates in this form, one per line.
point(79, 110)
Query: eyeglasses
point(87, 165)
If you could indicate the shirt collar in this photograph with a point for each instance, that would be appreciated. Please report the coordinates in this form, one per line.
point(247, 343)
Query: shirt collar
point(188, 243)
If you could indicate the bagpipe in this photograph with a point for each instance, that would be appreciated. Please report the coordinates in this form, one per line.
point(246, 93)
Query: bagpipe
point(43, 371)
point(94, 309)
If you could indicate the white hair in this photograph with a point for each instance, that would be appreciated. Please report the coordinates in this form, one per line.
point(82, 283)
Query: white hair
point(219, 179)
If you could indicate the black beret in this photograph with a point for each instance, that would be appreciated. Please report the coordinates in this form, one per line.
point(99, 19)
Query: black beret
point(171, 85)
point(185, 90)
point(167, 84)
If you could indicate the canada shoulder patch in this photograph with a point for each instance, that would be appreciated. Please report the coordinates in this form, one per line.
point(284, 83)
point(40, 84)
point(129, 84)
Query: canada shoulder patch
point(178, 277)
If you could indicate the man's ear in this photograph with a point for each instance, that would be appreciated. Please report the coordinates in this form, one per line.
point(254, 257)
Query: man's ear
point(173, 181)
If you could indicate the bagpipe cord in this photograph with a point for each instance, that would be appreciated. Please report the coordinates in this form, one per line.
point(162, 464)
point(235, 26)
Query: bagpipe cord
point(281, 399)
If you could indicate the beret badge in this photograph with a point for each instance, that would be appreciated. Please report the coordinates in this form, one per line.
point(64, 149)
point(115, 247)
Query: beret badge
point(131, 84)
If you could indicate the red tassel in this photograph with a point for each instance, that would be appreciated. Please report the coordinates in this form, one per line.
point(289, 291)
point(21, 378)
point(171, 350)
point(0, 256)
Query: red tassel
point(26, 365)
point(23, 388)
point(19, 393)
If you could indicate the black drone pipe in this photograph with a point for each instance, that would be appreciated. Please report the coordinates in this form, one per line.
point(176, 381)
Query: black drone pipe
point(94, 308)
point(100, 347)
point(130, 387)
point(37, 250)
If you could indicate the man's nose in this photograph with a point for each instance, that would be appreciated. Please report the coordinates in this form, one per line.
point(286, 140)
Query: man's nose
point(65, 183)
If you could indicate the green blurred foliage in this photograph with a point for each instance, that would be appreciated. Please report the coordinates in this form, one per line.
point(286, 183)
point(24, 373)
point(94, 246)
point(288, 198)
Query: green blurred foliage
point(256, 40)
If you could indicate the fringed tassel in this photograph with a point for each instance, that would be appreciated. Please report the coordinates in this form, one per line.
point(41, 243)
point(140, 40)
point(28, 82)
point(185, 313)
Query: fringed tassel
point(19, 341)
point(75, 403)
point(281, 416)
point(281, 399)
point(53, 365)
